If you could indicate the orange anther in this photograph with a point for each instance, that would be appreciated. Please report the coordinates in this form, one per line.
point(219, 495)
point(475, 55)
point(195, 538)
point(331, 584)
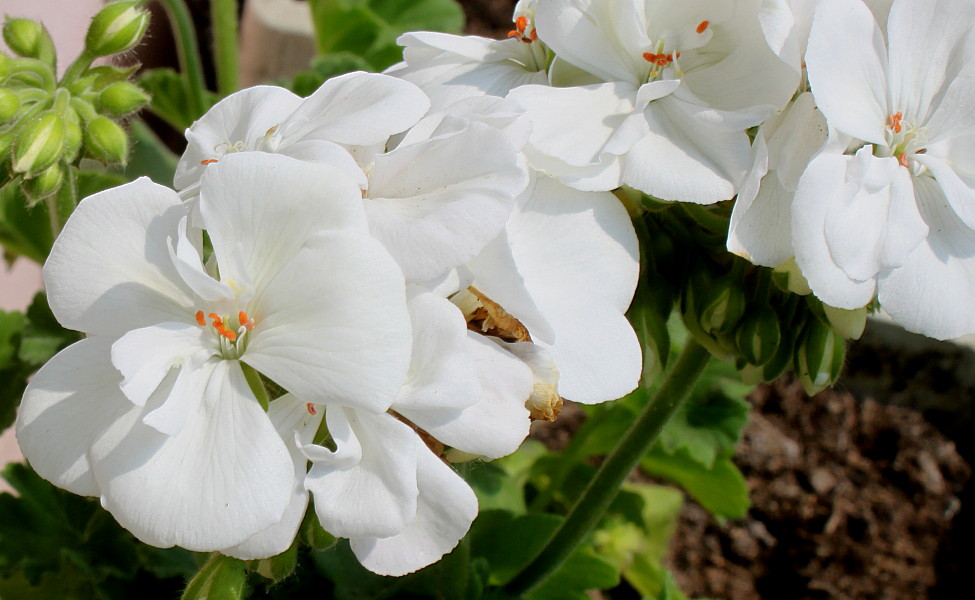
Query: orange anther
point(242, 317)
point(217, 321)
point(208, 161)
point(702, 26)
point(894, 122)
point(902, 157)
point(311, 408)
point(230, 335)
point(199, 318)
point(513, 33)
point(661, 60)
point(534, 34)
point(520, 23)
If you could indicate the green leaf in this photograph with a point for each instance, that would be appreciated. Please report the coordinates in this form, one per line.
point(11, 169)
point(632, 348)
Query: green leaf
point(312, 532)
point(278, 567)
point(583, 571)
point(43, 336)
point(501, 484)
point(92, 182)
point(23, 231)
point(170, 98)
point(509, 541)
point(352, 580)
point(13, 374)
point(150, 157)
point(369, 28)
point(221, 578)
point(720, 489)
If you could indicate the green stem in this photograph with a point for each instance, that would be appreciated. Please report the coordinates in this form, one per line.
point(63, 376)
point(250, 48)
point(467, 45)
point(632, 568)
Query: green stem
point(223, 15)
point(602, 489)
point(188, 49)
point(257, 386)
point(77, 68)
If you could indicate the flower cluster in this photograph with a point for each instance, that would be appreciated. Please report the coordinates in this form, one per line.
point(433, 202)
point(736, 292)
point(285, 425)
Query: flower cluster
point(341, 293)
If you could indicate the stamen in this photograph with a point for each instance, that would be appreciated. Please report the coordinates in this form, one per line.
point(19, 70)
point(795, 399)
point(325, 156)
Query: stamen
point(661, 60)
point(902, 157)
point(208, 161)
point(246, 322)
point(200, 319)
point(230, 335)
point(702, 26)
point(894, 122)
point(311, 409)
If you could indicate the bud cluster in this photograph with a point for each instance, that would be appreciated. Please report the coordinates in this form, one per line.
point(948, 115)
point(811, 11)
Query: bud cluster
point(46, 124)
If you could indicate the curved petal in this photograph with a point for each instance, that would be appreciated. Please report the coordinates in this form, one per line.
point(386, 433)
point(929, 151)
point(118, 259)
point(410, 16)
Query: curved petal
point(686, 157)
point(446, 507)
point(356, 109)
point(327, 153)
point(847, 66)
point(377, 497)
point(67, 406)
point(934, 291)
point(958, 191)
point(110, 270)
point(435, 204)
point(223, 478)
point(245, 116)
point(266, 206)
point(333, 326)
point(295, 425)
point(820, 189)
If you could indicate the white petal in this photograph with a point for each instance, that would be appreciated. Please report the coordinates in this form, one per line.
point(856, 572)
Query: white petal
point(445, 510)
point(225, 477)
point(356, 109)
point(496, 421)
point(186, 259)
point(333, 326)
point(67, 406)
point(847, 64)
point(291, 418)
point(761, 230)
point(685, 157)
point(960, 192)
point(796, 138)
point(245, 116)
point(145, 356)
point(820, 189)
point(327, 153)
point(435, 204)
point(933, 293)
point(376, 497)
point(928, 41)
point(266, 206)
point(110, 270)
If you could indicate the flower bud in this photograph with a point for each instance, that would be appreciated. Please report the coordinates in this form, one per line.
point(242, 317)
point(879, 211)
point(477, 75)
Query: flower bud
point(819, 356)
point(44, 184)
point(6, 65)
point(116, 28)
point(120, 98)
point(848, 323)
point(759, 335)
point(29, 39)
point(72, 136)
point(40, 143)
point(789, 278)
point(106, 141)
point(723, 306)
point(9, 105)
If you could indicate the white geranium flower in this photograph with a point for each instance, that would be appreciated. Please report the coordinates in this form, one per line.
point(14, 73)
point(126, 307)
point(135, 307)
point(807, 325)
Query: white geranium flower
point(662, 92)
point(356, 109)
point(153, 411)
point(896, 218)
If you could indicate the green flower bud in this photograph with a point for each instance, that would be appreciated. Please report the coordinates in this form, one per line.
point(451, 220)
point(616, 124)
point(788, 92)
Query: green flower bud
point(120, 98)
point(789, 278)
point(116, 28)
point(46, 183)
point(6, 65)
point(848, 323)
point(759, 335)
point(29, 39)
point(9, 105)
point(40, 144)
point(819, 356)
point(106, 141)
point(72, 136)
point(6, 141)
point(724, 306)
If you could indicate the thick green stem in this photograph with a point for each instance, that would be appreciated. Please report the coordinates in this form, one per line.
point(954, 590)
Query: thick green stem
point(188, 49)
point(75, 69)
point(604, 486)
point(223, 15)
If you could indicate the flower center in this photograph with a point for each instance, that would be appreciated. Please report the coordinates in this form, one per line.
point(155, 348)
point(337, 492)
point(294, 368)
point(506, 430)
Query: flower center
point(659, 59)
point(228, 147)
point(904, 140)
point(521, 32)
point(231, 334)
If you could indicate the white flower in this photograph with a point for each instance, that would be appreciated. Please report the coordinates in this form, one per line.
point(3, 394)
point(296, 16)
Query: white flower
point(662, 92)
point(356, 109)
point(152, 411)
point(896, 218)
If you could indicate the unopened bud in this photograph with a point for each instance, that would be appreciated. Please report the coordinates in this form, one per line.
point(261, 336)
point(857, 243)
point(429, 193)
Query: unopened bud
point(789, 278)
point(72, 136)
point(9, 105)
point(6, 65)
point(759, 335)
point(106, 141)
point(819, 356)
point(46, 183)
point(40, 143)
point(848, 323)
point(29, 39)
point(116, 28)
point(723, 307)
point(120, 98)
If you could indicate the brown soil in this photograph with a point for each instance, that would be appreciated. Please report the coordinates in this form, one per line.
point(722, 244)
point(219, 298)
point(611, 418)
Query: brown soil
point(851, 500)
